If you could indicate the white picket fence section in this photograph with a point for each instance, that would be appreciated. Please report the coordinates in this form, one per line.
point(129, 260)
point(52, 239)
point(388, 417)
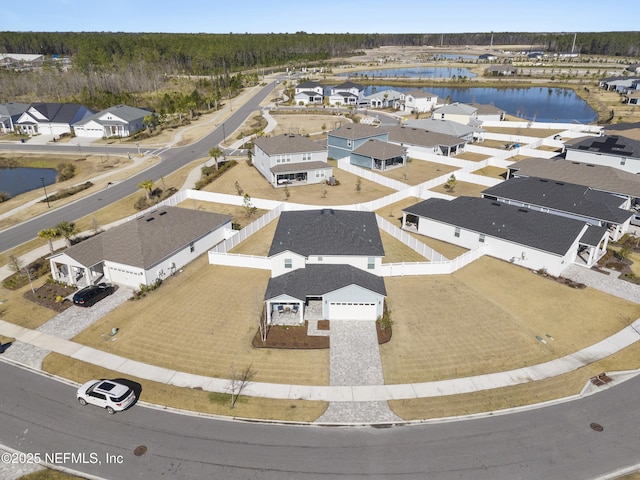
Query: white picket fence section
point(409, 240)
point(238, 260)
point(246, 232)
point(432, 268)
point(343, 164)
point(574, 127)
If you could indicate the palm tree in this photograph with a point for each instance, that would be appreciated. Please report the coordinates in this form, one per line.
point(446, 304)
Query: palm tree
point(147, 186)
point(215, 153)
point(67, 230)
point(49, 234)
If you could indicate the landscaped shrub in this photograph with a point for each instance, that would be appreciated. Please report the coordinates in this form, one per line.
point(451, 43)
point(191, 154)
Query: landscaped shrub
point(68, 192)
point(209, 174)
point(66, 171)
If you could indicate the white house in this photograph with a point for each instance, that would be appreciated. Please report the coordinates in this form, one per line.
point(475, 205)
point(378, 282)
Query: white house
point(9, 115)
point(456, 112)
point(488, 113)
point(425, 141)
point(417, 101)
point(383, 99)
point(608, 150)
point(141, 251)
point(309, 92)
point(326, 263)
point(51, 118)
point(469, 133)
point(118, 121)
point(518, 235)
point(347, 93)
point(290, 159)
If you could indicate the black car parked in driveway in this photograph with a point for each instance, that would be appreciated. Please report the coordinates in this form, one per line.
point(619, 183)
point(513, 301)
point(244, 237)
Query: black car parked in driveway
point(92, 294)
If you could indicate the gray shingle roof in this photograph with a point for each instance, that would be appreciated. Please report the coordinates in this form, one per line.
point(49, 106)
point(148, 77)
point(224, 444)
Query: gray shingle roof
point(317, 280)
point(309, 84)
point(485, 109)
point(287, 143)
point(417, 93)
point(379, 150)
point(149, 239)
point(125, 112)
point(563, 197)
point(62, 112)
point(446, 127)
point(421, 137)
point(599, 177)
point(549, 233)
point(607, 144)
point(327, 232)
point(456, 108)
point(355, 131)
point(348, 85)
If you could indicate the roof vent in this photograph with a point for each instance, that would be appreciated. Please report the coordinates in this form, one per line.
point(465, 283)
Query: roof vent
point(544, 180)
point(164, 212)
point(495, 203)
point(559, 183)
point(150, 218)
point(523, 210)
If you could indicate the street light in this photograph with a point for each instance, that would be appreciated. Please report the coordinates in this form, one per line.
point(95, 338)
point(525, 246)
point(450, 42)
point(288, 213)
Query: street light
point(224, 135)
point(46, 197)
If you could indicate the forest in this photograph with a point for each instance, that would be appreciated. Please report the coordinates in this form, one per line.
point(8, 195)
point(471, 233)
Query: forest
point(112, 68)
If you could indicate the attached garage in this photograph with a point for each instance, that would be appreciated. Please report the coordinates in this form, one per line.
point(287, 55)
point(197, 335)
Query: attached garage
point(353, 311)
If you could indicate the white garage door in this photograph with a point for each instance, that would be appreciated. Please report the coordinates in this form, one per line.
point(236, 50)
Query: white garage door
point(352, 311)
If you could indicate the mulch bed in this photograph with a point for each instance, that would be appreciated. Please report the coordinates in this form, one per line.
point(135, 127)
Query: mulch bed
point(297, 338)
point(561, 280)
point(47, 294)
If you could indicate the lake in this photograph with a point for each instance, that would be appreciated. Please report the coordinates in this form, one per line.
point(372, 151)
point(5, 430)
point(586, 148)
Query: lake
point(15, 181)
point(542, 104)
point(412, 72)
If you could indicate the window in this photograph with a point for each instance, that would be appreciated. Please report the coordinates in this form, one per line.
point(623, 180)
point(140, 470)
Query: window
point(371, 263)
point(192, 247)
point(456, 232)
point(481, 238)
point(623, 161)
point(306, 157)
point(348, 143)
point(288, 263)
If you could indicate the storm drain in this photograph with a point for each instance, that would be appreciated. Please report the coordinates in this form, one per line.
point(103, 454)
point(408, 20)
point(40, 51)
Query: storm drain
point(140, 450)
point(596, 427)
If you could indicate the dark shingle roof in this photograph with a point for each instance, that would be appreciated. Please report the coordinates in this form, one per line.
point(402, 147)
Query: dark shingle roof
point(145, 241)
point(607, 144)
point(327, 232)
point(287, 143)
point(542, 231)
point(354, 131)
point(124, 112)
point(348, 85)
point(563, 197)
point(317, 280)
point(62, 112)
point(420, 137)
point(599, 177)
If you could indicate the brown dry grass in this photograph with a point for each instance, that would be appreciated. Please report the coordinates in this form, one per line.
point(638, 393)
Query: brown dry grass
point(202, 322)
point(22, 312)
point(418, 171)
point(474, 157)
point(192, 399)
point(462, 189)
point(527, 132)
point(302, 124)
point(493, 172)
point(485, 318)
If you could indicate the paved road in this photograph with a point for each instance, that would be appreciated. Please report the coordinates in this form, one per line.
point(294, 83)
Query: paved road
point(40, 415)
point(172, 160)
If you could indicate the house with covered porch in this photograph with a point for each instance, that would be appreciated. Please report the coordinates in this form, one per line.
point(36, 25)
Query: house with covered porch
point(424, 140)
point(522, 236)
point(291, 159)
point(377, 155)
point(325, 265)
point(51, 118)
point(344, 140)
point(141, 251)
point(118, 121)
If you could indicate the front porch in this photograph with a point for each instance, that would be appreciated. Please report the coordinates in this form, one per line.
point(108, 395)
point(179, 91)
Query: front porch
point(78, 275)
point(298, 178)
point(294, 313)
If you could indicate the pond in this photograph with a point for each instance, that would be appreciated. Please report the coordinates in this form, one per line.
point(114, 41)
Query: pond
point(412, 72)
point(15, 181)
point(542, 104)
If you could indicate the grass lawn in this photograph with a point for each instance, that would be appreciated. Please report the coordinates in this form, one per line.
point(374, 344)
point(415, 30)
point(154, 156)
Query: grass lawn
point(202, 322)
point(472, 156)
point(493, 172)
point(302, 124)
point(23, 312)
point(462, 189)
point(485, 318)
point(418, 171)
point(524, 131)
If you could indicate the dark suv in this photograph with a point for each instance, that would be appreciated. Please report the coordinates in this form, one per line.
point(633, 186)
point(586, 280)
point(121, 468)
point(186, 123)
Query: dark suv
point(92, 294)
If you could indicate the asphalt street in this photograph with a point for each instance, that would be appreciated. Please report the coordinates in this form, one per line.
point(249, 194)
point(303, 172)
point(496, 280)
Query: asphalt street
point(41, 416)
point(172, 159)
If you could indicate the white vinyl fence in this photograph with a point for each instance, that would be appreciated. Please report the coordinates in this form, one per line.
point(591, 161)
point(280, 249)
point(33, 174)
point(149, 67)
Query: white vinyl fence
point(432, 268)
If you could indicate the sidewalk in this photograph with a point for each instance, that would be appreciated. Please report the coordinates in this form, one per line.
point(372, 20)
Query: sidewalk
point(333, 393)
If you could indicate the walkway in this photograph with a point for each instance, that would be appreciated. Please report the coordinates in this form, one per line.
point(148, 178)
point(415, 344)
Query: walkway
point(607, 282)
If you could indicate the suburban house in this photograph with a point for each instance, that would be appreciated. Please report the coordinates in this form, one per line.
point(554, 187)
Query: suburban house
point(118, 121)
point(619, 84)
point(290, 159)
point(347, 93)
point(629, 130)
point(456, 112)
point(347, 138)
point(382, 99)
point(417, 101)
point(488, 113)
point(309, 92)
point(9, 115)
point(566, 199)
point(431, 142)
point(598, 177)
point(469, 133)
point(51, 118)
point(325, 265)
point(142, 251)
point(378, 155)
point(500, 70)
point(21, 61)
point(609, 150)
point(518, 235)
point(633, 96)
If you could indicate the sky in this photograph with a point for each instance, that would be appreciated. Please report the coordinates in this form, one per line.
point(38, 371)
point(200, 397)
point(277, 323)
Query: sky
point(326, 16)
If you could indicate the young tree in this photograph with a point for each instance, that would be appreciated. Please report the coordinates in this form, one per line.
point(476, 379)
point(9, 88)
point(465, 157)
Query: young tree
point(238, 381)
point(450, 185)
point(359, 185)
point(147, 186)
point(239, 188)
point(49, 234)
point(215, 153)
point(287, 192)
point(67, 230)
point(249, 209)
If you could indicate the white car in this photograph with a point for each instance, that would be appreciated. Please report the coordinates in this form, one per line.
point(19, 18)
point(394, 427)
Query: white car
point(108, 394)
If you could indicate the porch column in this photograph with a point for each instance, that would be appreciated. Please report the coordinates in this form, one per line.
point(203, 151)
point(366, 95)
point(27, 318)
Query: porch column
point(592, 253)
